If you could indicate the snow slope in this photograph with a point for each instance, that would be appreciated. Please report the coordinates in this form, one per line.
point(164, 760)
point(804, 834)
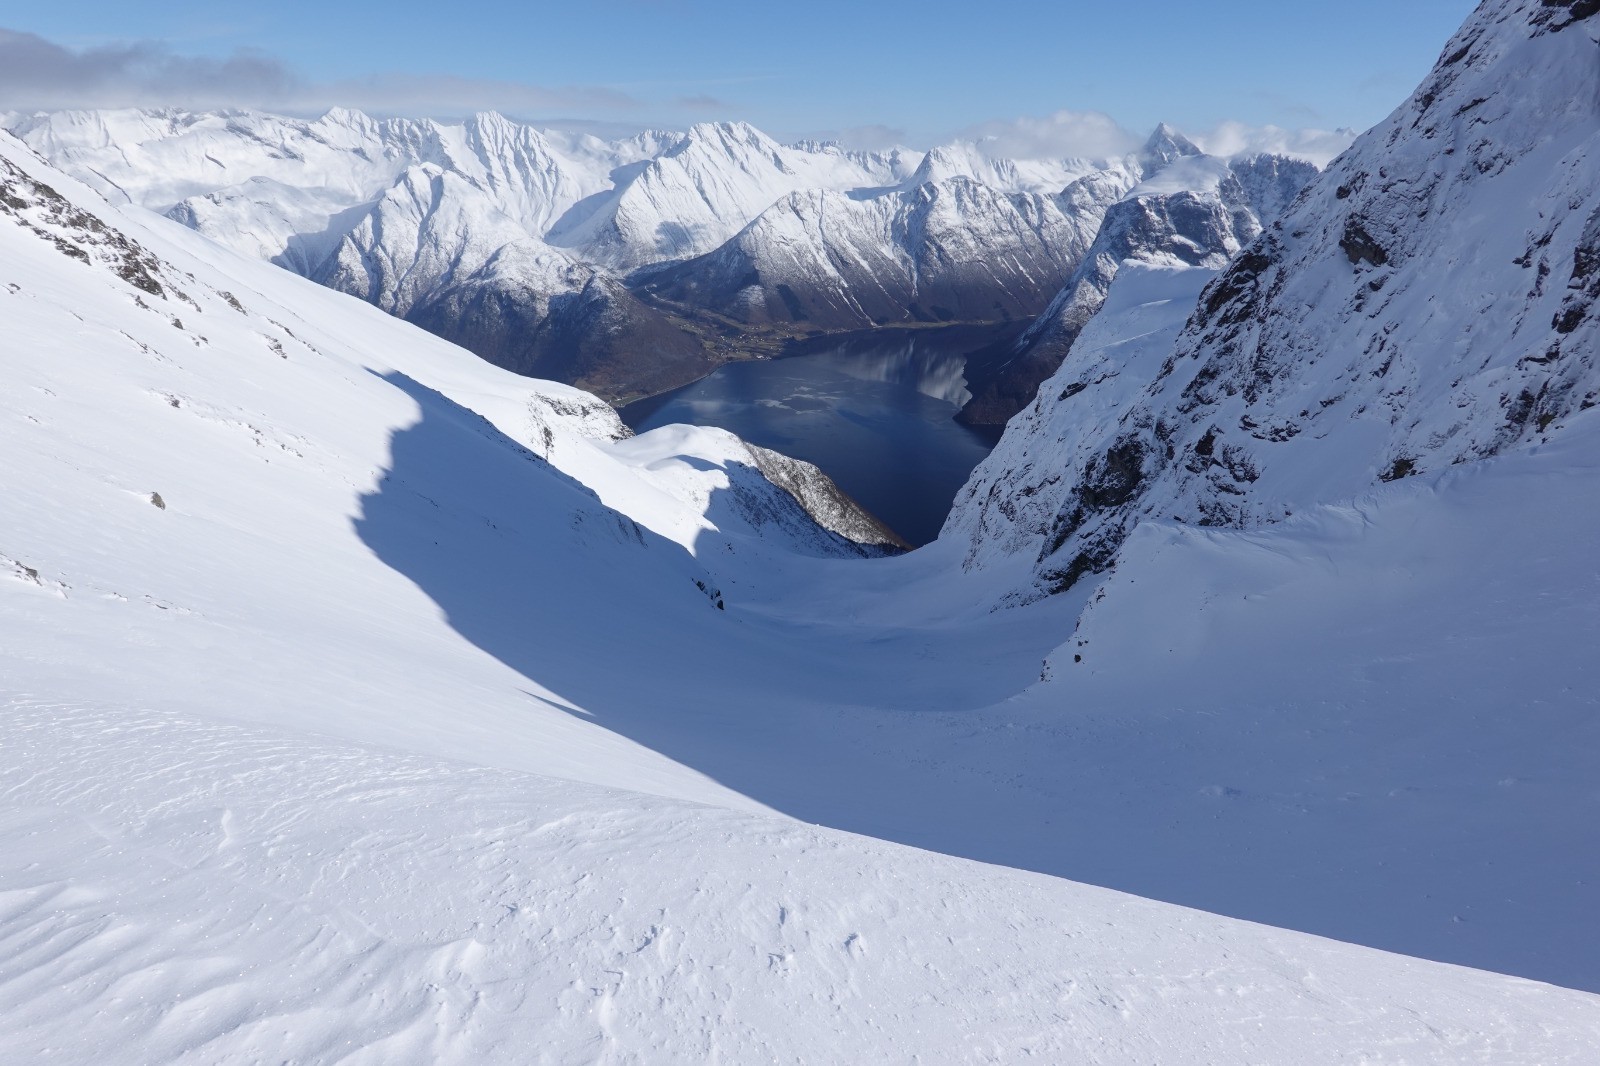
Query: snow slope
point(300, 409)
point(443, 913)
point(331, 653)
point(468, 629)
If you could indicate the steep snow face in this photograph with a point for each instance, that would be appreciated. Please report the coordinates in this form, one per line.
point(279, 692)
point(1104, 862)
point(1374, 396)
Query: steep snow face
point(1015, 493)
point(1272, 183)
point(532, 175)
point(1430, 300)
point(433, 227)
point(953, 250)
point(1183, 208)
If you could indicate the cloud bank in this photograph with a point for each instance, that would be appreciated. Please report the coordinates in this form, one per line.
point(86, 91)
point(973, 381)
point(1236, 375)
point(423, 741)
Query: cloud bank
point(1062, 135)
point(37, 74)
point(1237, 138)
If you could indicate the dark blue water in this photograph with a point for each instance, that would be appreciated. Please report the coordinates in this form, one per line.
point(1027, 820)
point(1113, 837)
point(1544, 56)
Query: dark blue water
point(874, 412)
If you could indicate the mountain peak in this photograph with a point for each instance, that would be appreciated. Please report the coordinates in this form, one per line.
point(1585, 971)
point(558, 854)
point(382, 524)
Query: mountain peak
point(731, 133)
point(1167, 144)
point(347, 116)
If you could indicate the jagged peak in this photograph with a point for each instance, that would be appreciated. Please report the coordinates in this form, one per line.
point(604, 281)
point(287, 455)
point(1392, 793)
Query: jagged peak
point(956, 159)
point(347, 116)
point(1167, 144)
point(733, 133)
point(493, 122)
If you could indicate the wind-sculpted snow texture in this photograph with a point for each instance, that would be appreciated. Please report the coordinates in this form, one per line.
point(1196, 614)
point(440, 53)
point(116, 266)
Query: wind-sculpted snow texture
point(1429, 301)
point(199, 892)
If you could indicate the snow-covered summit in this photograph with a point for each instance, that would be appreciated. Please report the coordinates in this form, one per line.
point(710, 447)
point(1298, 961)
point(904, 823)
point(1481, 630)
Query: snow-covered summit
point(965, 159)
point(1166, 145)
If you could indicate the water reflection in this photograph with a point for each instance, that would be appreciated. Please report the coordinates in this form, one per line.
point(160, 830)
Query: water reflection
point(927, 364)
point(873, 410)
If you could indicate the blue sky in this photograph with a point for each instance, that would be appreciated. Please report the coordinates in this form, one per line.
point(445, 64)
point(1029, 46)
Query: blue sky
point(913, 72)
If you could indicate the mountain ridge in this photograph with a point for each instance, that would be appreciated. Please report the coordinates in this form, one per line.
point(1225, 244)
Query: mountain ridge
point(624, 267)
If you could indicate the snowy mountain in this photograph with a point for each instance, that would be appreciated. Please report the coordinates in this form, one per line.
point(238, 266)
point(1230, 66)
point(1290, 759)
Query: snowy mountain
point(363, 700)
point(946, 246)
point(211, 166)
point(1427, 302)
point(707, 187)
point(964, 159)
point(518, 243)
point(239, 726)
point(436, 250)
point(1184, 208)
point(938, 251)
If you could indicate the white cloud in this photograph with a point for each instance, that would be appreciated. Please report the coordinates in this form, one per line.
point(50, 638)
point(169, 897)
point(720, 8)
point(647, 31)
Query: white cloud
point(876, 138)
point(37, 74)
point(1237, 138)
point(1062, 135)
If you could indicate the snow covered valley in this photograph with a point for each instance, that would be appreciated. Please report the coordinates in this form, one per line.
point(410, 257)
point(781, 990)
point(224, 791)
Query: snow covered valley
point(361, 701)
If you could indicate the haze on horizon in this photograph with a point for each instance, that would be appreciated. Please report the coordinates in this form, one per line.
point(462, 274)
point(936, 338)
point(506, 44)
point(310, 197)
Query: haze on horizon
point(1065, 78)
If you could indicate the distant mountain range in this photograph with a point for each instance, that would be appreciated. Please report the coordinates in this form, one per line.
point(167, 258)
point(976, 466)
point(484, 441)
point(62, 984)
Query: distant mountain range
point(630, 267)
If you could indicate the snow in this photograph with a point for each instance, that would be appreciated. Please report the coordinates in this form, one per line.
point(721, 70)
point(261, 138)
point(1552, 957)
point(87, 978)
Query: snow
point(963, 159)
point(397, 741)
point(200, 892)
point(951, 249)
point(365, 702)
